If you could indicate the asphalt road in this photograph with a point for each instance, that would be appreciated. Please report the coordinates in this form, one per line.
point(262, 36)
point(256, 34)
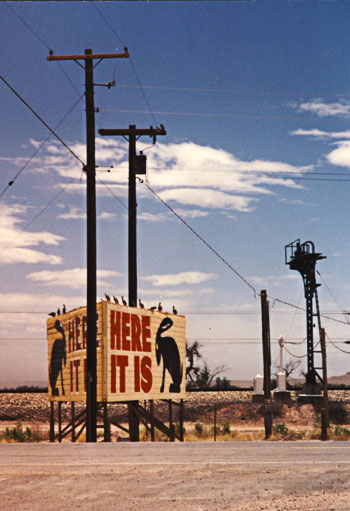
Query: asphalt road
point(198, 476)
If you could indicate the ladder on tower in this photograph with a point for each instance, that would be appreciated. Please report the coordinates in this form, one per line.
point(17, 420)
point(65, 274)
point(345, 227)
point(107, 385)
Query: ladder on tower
point(318, 315)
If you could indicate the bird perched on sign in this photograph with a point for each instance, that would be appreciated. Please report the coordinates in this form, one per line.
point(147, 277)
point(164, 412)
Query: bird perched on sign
point(174, 310)
point(124, 301)
point(115, 299)
point(52, 314)
point(108, 298)
point(153, 308)
point(58, 311)
point(141, 304)
point(64, 310)
point(160, 308)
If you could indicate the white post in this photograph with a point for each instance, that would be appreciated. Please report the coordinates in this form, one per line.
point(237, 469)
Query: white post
point(281, 376)
point(281, 343)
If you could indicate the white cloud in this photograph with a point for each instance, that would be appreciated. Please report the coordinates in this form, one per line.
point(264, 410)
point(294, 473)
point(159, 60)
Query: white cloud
point(323, 109)
point(294, 202)
point(105, 215)
point(194, 175)
point(151, 217)
point(73, 214)
point(18, 244)
point(73, 278)
point(341, 155)
point(38, 302)
point(321, 134)
point(273, 280)
point(208, 198)
point(175, 279)
point(191, 213)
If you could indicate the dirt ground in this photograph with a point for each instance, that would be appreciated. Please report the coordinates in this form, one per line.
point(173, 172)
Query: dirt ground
point(197, 476)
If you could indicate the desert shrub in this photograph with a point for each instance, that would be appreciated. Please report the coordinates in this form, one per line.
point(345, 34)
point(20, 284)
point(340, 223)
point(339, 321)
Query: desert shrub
point(199, 428)
point(338, 413)
point(341, 431)
point(24, 389)
point(177, 429)
point(280, 429)
point(17, 434)
point(222, 383)
point(225, 428)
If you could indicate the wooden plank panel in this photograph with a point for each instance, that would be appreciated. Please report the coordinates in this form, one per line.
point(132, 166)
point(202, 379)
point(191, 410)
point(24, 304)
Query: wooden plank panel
point(141, 354)
point(67, 354)
point(135, 337)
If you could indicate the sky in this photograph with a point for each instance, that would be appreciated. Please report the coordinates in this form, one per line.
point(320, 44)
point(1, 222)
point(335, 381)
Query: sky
point(255, 99)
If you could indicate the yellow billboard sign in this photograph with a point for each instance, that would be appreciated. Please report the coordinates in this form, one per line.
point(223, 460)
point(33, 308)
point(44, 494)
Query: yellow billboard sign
point(141, 354)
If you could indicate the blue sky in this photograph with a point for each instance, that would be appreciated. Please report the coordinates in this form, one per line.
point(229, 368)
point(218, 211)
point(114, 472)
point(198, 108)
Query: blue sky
point(255, 99)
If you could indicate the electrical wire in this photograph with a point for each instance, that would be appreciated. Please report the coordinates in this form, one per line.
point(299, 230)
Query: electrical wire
point(41, 120)
point(251, 174)
point(293, 355)
point(332, 295)
point(43, 42)
point(131, 62)
point(230, 171)
point(26, 24)
point(228, 116)
point(329, 340)
point(202, 240)
point(230, 91)
point(38, 149)
point(293, 342)
point(25, 227)
point(112, 193)
point(301, 308)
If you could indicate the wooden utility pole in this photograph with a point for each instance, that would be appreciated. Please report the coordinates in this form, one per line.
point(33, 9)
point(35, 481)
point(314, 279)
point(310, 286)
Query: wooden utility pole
point(137, 165)
point(90, 169)
point(133, 134)
point(265, 318)
point(325, 413)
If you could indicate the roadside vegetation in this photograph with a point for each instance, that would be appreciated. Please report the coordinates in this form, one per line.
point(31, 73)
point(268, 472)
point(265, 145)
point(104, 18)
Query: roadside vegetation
point(18, 434)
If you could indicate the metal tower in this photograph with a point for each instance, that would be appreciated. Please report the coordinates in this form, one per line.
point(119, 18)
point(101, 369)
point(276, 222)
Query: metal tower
point(303, 258)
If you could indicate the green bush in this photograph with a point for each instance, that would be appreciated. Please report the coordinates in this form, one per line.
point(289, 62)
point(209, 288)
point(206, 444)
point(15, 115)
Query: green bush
point(225, 428)
point(199, 428)
point(338, 413)
point(17, 434)
point(341, 431)
point(280, 429)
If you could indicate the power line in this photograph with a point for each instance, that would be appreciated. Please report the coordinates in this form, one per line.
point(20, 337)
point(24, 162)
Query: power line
point(230, 171)
point(41, 119)
point(332, 295)
point(28, 27)
point(43, 42)
point(293, 355)
point(112, 193)
point(301, 308)
point(219, 115)
point(231, 91)
point(333, 343)
point(51, 201)
point(254, 174)
point(38, 149)
point(202, 240)
point(131, 61)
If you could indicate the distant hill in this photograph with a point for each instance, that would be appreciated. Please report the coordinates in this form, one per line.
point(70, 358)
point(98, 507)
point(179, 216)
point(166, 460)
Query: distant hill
point(340, 380)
